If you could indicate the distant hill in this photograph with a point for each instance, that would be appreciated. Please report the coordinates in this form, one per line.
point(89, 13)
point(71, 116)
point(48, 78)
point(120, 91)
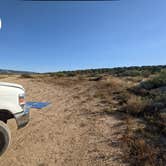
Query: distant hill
point(5, 71)
point(117, 71)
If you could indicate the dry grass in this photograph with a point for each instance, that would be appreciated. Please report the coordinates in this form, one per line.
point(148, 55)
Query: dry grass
point(26, 76)
point(3, 76)
point(142, 130)
point(138, 152)
point(139, 148)
point(142, 146)
point(136, 104)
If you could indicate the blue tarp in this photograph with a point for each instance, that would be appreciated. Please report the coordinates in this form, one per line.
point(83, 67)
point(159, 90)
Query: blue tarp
point(37, 105)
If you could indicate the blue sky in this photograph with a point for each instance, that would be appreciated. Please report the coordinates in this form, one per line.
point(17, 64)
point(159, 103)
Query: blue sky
point(53, 36)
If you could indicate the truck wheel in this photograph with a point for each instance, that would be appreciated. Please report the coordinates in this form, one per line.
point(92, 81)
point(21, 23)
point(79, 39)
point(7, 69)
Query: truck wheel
point(5, 137)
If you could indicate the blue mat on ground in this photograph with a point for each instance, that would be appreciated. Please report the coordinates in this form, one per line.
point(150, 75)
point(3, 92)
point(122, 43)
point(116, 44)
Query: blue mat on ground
point(37, 105)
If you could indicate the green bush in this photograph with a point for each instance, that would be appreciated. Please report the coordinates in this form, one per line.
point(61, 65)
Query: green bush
point(70, 74)
point(60, 74)
point(156, 82)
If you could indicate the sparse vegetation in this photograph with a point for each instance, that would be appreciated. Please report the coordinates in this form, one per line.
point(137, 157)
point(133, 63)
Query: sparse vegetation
point(145, 101)
point(26, 76)
point(156, 82)
point(136, 96)
point(134, 71)
point(3, 76)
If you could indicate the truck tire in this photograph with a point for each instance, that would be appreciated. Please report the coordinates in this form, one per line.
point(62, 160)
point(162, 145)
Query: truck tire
point(5, 137)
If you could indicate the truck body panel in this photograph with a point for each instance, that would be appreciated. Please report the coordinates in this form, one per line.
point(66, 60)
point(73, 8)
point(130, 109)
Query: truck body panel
point(9, 97)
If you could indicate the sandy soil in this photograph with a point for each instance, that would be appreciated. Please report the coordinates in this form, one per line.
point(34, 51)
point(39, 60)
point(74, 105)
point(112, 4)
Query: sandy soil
point(70, 132)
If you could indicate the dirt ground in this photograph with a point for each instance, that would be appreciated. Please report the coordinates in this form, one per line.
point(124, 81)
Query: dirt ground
point(72, 131)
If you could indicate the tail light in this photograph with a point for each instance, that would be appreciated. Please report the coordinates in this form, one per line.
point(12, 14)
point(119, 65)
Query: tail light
point(21, 100)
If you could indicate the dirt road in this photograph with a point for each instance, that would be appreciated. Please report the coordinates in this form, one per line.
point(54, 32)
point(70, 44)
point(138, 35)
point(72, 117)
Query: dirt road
point(70, 132)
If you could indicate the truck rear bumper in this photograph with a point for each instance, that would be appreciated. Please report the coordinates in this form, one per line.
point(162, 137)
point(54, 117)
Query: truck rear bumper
point(22, 118)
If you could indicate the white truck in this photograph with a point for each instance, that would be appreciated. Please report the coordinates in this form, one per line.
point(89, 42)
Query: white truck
point(13, 105)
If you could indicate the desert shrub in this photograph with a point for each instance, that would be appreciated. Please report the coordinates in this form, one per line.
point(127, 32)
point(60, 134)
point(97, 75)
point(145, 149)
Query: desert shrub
point(60, 74)
point(141, 144)
point(52, 74)
point(70, 74)
point(146, 73)
point(97, 78)
point(132, 73)
point(155, 82)
point(160, 98)
point(80, 77)
point(136, 105)
point(140, 153)
point(26, 76)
